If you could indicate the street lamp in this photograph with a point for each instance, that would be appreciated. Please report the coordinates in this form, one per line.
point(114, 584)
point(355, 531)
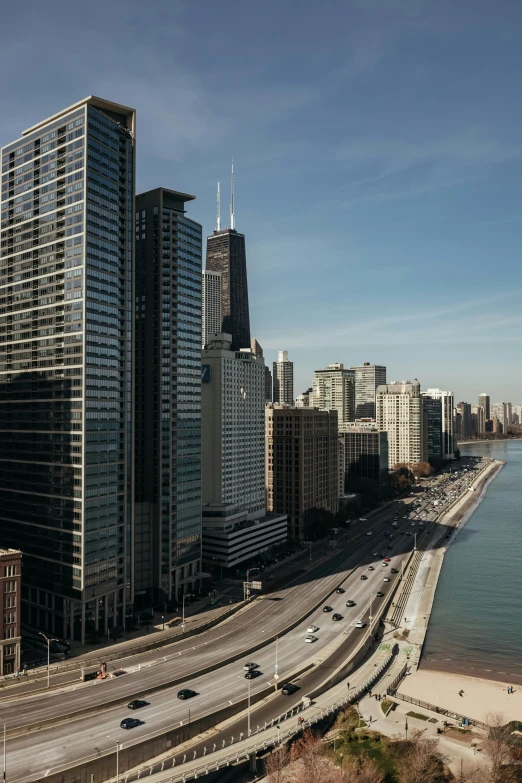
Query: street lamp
point(248, 718)
point(187, 595)
point(163, 620)
point(48, 640)
point(247, 585)
point(5, 728)
point(370, 616)
point(117, 760)
point(415, 544)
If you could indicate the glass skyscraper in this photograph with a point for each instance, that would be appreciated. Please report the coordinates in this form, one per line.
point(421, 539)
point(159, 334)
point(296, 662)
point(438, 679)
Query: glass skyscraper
point(226, 254)
point(66, 445)
point(167, 541)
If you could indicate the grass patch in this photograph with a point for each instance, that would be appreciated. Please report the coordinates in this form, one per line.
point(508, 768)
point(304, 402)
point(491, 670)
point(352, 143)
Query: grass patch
point(385, 705)
point(363, 743)
point(417, 715)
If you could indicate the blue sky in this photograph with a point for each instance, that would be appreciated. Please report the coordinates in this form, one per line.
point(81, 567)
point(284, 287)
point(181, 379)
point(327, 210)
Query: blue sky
point(377, 153)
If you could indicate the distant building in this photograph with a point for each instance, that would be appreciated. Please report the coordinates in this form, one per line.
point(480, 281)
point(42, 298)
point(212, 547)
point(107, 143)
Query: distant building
point(517, 411)
point(400, 414)
point(457, 423)
point(304, 400)
point(302, 463)
point(268, 385)
point(478, 419)
point(500, 411)
point(363, 453)
point(466, 425)
point(283, 379)
point(334, 389)
point(367, 378)
point(432, 426)
point(447, 402)
point(10, 599)
point(211, 318)
point(484, 400)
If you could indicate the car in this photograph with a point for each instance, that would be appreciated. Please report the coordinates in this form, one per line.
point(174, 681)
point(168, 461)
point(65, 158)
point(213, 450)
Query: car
point(395, 570)
point(311, 639)
point(375, 554)
point(369, 533)
point(340, 590)
point(351, 603)
point(130, 723)
point(384, 563)
point(337, 616)
point(380, 594)
point(390, 537)
point(327, 609)
point(363, 519)
point(413, 524)
point(386, 578)
point(371, 568)
point(289, 688)
point(386, 559)
point(186, 693)
point(395, 524)
point(360, 624)
point(252, 674)
point(363, 576)
point(312, 628)
point(136, 704)
point(395, 519)
point(389, 546)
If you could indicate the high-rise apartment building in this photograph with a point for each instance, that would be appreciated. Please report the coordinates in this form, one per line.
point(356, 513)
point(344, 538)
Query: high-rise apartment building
point(334, 389)
point(258, 351)
point(66, 412)
point(211, 318)
point(400, 414)
point(501, 411)
point(363, 453)
point(466, 426)
point(302, 463)
point(484, 400)
point(283, 379)
point(367, 378)
point(478, 419)
point(167, 535)
point(432, 427)
point(447, 402)
point(10, 602)
point(304, 400)
point(226, 253)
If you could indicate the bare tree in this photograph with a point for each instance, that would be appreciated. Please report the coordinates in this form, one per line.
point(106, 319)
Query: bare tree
point(276, 765)
point(309, 762)
point(360, 770)
point(421, 761)
point(496, 749)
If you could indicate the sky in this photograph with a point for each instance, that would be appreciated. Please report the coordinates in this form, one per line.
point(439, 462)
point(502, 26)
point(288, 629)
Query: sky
point(377, 155)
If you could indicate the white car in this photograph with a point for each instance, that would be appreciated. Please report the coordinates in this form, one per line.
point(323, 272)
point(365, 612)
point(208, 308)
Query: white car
point(394, 524)
point(311, 639)
point(385, 564)
point(312, 628)
point(362, 519)
point(386, 578)
point(360, 624)
point(249, 666)
point(369, 533)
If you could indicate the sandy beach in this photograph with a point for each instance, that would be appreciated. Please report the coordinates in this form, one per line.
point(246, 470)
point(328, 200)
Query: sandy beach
point(480, 696)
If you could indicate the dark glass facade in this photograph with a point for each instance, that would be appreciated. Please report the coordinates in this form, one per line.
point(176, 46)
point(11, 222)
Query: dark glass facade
point(66, 366)
point(226, 254)
point(432, 427)
point(167, 541)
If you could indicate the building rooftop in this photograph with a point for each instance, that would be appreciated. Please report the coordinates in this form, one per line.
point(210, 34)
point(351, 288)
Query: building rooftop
point(92, 100)
point(10, 551)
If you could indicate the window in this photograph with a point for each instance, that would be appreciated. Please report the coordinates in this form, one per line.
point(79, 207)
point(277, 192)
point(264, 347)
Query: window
point(10, 570)
point(9, 633)
point(9, 617)
point(10, 587)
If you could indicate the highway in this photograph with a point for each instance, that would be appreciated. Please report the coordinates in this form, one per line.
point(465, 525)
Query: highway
point(74, 740)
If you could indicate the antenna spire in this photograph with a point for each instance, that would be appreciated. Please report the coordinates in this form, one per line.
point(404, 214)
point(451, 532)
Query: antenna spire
point(218, 222)
point(232, 217)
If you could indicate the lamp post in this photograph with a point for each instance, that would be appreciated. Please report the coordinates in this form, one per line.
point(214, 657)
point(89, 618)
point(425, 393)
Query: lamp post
point(5, 757)
point(248, 717)
point(415, 543)
point(276, 667)
point(187, 595)
point(163, 620)
point(370, 616)
point(48, 640)
point(117, 759)
point(247, 584)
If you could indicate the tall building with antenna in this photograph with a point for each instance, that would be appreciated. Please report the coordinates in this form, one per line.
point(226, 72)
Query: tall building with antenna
point(226, 254)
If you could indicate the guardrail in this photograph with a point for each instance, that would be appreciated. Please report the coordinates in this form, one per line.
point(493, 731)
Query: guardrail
point(392, 689)
point(441, 710)
point(258, 746)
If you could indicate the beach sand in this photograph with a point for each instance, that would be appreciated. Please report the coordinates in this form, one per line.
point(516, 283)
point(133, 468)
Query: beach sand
point(480, 696)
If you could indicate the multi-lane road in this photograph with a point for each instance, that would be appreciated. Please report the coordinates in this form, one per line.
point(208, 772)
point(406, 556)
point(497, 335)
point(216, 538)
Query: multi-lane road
point(71, 740)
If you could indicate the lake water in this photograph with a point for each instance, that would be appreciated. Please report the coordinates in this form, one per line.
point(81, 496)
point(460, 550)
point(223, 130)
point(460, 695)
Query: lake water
point(476, 623)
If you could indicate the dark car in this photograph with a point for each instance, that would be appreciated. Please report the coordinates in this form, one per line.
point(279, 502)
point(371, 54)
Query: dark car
point(337, 616)
point(327, 608)
point(186, 693)
point(389, 546)
point(351, 603)
point(289, 688)
point(339, 590)
point(394, 571)
point(135, 704)
point(130, 723)
point(363, 576)
point(380, 594)
point(252, 674)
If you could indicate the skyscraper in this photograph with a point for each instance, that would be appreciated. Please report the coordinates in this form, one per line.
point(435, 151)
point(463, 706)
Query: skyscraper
point(334, 389)
point(258, 351)
point(283, 379)
point(432, 426)
point(400, 414)
point(211, 305)
point(447, 402)
point(226, 254)
point(466, 424)
point(367, 378)
point(478, 419)
point(66, 453)
point(484, 400)
point(500, 410)
point(167, 537)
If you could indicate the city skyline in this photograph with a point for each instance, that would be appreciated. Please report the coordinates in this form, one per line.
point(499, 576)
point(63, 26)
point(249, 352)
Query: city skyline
point(440, 187)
